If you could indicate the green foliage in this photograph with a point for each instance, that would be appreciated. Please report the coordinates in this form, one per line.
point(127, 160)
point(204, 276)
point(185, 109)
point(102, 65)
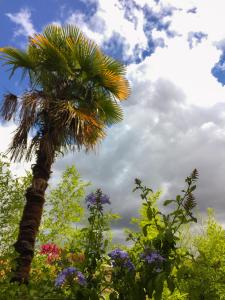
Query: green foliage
point(12, 191)
point(156, 266)
point(203, 276)
point(156, 251)
point(63, 210)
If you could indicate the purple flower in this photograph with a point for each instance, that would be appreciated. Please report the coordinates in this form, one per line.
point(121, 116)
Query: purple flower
point(68, 271)
point(152, 257)
point(129, 265)
point(97, 199)
point(62, 275)
point(104, 199)
point(61, 278)
point(81, 279)
point(121, 258)
point(91, 199)
point(118, 253)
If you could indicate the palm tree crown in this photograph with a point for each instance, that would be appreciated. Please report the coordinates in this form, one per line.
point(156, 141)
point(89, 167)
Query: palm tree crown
point(73, 95)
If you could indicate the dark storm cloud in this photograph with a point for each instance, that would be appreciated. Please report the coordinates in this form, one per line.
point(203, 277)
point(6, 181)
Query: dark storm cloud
point(161, 140)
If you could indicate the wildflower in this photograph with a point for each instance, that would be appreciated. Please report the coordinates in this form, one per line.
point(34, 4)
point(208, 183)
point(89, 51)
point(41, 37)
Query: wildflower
point(118, 253)
point(129, 265)
point(51, 250)
point(81, 279)
point(97, 199)
point(152, 257)
point(70, 271)
point(121, 258)
point(60, 280)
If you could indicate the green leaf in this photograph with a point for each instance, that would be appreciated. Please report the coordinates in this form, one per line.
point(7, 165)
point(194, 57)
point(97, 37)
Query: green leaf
point(192, 188)
point(171, 284)
point(113, 296)
point(159, 286)
point(145, 229)
point(150, 288)
point(149, 213)
point(177, 212)
point(166, 202)
point(178, 198)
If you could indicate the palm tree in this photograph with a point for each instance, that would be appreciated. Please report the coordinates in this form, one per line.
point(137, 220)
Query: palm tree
point(74, 93)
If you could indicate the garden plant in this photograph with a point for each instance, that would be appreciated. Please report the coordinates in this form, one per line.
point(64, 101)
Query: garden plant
point(86, 263)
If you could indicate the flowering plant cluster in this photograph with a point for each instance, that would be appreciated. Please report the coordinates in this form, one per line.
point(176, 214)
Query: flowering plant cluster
point(97, 200)
point(121, 258)
point(51, 250)
point(154, 259)
point(87, 270)
point(70, 273)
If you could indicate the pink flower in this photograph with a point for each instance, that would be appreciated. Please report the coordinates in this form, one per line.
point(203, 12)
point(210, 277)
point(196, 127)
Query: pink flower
point(51, 250)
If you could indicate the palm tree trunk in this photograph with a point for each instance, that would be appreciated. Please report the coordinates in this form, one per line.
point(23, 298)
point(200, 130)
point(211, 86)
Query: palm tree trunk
point(32, 213)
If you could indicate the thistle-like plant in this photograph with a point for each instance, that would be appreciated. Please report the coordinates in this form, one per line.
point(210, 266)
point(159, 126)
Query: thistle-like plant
point(156, 245)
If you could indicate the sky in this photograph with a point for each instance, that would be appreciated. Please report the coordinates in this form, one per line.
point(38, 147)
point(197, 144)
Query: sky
point(174, 119)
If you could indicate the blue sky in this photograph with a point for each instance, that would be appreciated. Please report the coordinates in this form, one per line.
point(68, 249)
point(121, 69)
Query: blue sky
point(174, 120)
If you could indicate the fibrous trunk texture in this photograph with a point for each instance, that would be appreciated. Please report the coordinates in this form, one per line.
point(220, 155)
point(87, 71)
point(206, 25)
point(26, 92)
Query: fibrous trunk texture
point(32, 213)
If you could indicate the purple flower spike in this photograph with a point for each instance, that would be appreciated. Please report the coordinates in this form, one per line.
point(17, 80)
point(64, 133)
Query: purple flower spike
point(152, 257)
point(129, 265)
point(121, 258)
point(61, 278)
point(81, 279)
point(104, 199)
point(118, 253)
point(68, 271)
point(97, 199)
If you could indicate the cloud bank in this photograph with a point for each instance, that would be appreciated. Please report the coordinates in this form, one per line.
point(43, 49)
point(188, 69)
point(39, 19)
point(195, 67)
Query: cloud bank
point(175, 117)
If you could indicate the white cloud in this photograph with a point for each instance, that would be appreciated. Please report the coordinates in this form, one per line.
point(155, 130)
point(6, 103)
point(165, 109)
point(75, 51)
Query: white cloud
point(6, 134)
point(23, 20)
point(175, 117)
point(190, 69)
point(110, 18)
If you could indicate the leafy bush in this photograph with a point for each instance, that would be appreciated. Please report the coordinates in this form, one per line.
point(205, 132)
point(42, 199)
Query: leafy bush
point(76, 259)
point(202, 277)
point(12, 191)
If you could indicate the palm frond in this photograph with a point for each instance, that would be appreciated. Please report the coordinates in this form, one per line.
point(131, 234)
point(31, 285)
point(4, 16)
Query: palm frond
point(16, 59)
point(29, 111)
point(116, 84)
point(18, 146)
point(52, 58)
point(79, 124)
point(9, 106)
point(113, 65)
point(109, 111)
point(65, 112)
